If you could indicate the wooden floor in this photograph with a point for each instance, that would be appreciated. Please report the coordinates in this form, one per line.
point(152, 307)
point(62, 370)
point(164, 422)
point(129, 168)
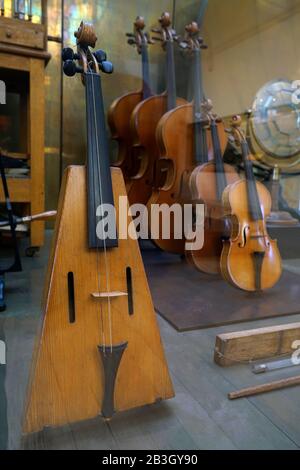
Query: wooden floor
point(199, 417)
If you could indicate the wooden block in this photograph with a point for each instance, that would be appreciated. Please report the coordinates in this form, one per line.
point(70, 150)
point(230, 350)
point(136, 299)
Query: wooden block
point(21, 33)
point(261, 343)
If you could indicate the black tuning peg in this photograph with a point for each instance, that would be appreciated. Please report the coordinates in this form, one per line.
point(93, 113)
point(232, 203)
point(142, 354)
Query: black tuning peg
point(67, 54)
point(131, 41)
point(106, 67)
point(70, 68)
point(100, 56)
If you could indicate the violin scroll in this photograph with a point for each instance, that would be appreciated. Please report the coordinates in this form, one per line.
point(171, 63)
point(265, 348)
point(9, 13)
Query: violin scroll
point(166, 32)
point(85, 35)
point(192, 40)
point(139, 38)
point(87, 60)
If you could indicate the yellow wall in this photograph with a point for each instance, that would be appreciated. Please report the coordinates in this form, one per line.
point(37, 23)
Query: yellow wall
point(250, 42)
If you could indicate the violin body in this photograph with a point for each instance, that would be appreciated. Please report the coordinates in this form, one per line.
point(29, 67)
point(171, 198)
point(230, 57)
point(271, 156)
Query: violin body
point(67, 377)
point(204, 189)
point(144, 121)
point(250, 259)
point(175, 140)
point(119, 122)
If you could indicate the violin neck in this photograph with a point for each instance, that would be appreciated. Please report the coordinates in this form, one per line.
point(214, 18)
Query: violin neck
point(220, 173)
point(145, 72)
point(253, 199)
point(171, 80)
point(201, 151)
point(99, 185)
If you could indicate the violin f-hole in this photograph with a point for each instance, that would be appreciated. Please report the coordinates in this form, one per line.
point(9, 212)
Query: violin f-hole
point(244, 237)
point(71, 297)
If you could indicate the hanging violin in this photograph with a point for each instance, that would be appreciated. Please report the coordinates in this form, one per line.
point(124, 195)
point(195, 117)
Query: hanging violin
point(184, 142)
point(250, 259)
point(207, 183)
point(145, 118)
point(99, 349)
point(120, 111)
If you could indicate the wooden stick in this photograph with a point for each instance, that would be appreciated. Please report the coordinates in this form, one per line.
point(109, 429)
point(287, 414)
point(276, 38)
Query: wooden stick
point(269, 387)
point(43, 216)
point(30, 218)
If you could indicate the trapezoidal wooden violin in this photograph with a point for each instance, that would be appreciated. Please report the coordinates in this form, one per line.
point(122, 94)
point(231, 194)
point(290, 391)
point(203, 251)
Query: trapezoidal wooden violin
point(99, 349)
point(145, 118)
point(250, 259)
point(120, 110)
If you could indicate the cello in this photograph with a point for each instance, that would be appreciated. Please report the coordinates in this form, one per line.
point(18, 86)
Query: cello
point(145, 118)
point(120, 110)
point(99, 349)
point(184, 142)
point(207, 183)
point(250, 258)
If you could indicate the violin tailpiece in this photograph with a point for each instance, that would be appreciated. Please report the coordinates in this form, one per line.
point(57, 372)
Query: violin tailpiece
point(111, 357)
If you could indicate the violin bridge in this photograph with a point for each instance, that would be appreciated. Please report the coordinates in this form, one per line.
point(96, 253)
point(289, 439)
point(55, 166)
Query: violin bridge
point(106, 295)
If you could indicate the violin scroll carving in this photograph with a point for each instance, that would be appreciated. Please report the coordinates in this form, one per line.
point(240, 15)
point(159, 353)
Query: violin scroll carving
point(166, 32)
point(139, 37)
point(85, 60)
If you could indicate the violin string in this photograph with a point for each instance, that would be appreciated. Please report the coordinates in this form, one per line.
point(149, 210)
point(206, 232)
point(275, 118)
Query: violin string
point(99, 271)
point(107, 270)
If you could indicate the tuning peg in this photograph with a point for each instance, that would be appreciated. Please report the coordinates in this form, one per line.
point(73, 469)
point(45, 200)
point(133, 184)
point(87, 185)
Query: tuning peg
point(130, 35)
point(131, 42)
point(183, 45)
point(106, 66)
point(100, 55)
point(70, 68)
point(67, 54)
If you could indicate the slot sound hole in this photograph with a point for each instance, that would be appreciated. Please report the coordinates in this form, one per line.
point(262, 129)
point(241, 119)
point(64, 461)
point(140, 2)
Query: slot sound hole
point(129, 290)
point(71, 295)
